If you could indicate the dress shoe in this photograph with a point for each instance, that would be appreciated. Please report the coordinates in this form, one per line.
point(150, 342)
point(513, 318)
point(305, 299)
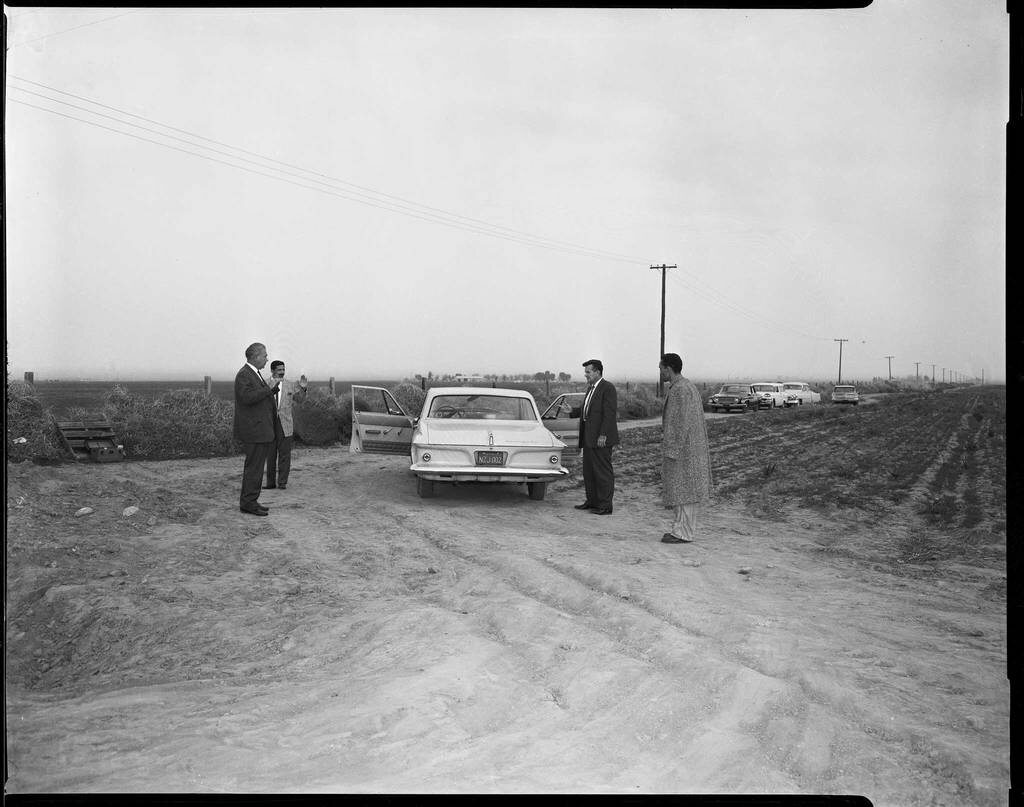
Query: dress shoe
point(584, 506)
point(254, 512)
point(261, 507)
point(669, 538)
point(269, 487)
point(602, 511)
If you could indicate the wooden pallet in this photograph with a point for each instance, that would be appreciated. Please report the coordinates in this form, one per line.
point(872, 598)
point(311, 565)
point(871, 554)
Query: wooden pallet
point(90, 440)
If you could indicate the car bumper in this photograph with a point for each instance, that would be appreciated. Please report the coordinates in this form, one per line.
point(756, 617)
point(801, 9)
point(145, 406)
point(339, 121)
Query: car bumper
point(475, 474)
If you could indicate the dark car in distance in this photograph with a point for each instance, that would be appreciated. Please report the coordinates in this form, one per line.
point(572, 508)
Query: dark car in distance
point(733, 398)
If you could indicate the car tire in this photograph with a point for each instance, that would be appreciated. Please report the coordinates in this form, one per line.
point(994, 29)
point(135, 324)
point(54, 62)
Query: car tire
point(536, 490)
point(425, 487)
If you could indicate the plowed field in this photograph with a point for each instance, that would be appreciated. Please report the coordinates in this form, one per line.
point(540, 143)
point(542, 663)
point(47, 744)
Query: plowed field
point(839, 626)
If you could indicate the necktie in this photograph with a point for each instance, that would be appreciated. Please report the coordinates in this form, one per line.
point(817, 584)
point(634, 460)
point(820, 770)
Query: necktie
point(586, 402)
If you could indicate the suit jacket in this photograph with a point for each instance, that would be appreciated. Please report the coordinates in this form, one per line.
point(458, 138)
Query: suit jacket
point(289, 392)
point(254, 408)
point(601, 417)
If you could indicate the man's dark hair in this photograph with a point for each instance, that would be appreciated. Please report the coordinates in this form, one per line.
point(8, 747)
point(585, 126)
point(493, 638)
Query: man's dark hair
point(275, 364)
point(252, 350)
point(673, 361)
point(596, 364)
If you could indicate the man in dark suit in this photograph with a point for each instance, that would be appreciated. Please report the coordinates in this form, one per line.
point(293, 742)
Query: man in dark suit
point(599, 431)
point(254, 425)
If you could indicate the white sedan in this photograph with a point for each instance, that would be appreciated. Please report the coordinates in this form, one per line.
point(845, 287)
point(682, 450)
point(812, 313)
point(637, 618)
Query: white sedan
point(462, 434)
point(799, 393)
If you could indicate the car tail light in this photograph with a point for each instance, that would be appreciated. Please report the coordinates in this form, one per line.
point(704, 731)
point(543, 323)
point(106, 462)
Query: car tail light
point(554, 459)
point(425, 457)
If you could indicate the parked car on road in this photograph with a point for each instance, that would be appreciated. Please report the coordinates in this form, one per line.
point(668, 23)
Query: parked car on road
point(562, 417)
point(769, 394)
point(844, 393)
point(462, 434)
point(733, 398)
point(799, 393)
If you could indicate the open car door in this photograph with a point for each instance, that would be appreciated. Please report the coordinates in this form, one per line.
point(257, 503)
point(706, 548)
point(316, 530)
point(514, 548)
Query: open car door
point(379, 424)
point(562, 417)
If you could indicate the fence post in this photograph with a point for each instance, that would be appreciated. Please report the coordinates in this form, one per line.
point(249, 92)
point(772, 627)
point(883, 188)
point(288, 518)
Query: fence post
point(30, 379)
point(330, 386)
point(207, 385)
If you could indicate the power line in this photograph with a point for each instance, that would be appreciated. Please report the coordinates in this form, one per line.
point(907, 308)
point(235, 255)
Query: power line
point(536, 241)
point(317, 176)
point(719, 299)
point(68, 30)
point(359, 194)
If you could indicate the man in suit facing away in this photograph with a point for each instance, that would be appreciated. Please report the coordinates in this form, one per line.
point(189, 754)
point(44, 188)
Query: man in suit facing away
point(279, 460)
point(254, 425)
point(599, 431)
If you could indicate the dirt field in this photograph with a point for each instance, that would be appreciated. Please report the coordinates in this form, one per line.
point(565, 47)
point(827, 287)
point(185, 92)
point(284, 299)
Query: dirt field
point(829, 633)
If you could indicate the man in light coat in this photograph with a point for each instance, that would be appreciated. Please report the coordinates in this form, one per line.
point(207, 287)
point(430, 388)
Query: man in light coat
point(279, 458)
point(686, 461)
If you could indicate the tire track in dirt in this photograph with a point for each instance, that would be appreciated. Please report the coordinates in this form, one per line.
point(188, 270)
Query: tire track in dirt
point(776, 700)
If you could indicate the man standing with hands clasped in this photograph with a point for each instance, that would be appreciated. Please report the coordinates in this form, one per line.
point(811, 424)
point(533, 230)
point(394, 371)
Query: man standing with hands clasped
point(279, 460)
point(254, 425)
point(686, 461)
point(599, 431)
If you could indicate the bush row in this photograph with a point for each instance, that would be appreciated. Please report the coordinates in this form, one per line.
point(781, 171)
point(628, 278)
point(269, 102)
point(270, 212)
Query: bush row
point(188, 423)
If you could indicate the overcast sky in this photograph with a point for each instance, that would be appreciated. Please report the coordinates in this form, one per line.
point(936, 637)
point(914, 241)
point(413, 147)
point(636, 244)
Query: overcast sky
point(378, 193)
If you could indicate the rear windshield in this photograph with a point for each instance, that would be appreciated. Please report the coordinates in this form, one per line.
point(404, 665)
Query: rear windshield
point(481, 407)
point(844, 389)
point(764, 387)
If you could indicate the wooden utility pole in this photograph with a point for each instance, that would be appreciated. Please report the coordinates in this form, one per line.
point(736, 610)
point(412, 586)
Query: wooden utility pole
point(661, 351)
point(890, 358)
point(840, 341)
point(917, 371)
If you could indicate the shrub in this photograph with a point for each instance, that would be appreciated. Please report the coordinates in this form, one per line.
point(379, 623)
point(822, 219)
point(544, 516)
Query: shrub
point(29, 420)
point(410, 397)
point(179, 423)
point(639, 403)
point(322, 418)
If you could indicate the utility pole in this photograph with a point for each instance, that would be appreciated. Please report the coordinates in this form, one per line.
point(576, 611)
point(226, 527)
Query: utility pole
point(933, 375)
point(943, 375)
point(917, 371)
point(661, 352)
point(890, 358)
point(840, 341)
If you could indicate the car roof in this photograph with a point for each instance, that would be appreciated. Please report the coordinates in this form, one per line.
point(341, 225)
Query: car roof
point(795, 382)
point(502, 391)
point(764, 382)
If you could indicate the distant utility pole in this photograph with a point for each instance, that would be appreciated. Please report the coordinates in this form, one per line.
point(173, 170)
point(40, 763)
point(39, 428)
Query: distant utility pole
point(917, 371)
point(890, 358)
point(933, 375)
point(661, 352)
point(840, 341)
point(943, 375)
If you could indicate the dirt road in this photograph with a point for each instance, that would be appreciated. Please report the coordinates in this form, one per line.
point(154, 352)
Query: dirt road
point(362, 639)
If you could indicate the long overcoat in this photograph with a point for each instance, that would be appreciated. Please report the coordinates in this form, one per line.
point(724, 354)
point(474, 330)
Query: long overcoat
point(686, 463)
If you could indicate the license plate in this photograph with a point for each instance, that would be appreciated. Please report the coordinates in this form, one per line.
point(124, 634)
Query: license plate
point(490, 457)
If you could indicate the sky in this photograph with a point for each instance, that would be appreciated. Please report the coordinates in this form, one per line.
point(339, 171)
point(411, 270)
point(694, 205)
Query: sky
point(376, 193)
